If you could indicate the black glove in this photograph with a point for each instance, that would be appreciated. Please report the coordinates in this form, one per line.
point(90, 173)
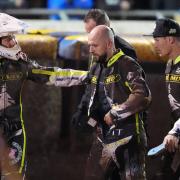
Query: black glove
point(79, 122)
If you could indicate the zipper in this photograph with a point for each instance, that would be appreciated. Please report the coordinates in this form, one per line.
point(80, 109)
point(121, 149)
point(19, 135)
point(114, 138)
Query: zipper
point(4, 85)
point(95, 90)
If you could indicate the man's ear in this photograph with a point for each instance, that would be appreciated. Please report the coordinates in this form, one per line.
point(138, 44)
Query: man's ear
point(171, 39)
point(109, 44)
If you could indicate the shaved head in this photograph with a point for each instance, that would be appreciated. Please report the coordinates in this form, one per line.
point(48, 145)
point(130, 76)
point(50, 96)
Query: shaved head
point(102, 32)
point(101, 42)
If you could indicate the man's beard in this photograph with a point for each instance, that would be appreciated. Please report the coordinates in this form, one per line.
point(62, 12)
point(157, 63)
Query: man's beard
point(101, 59)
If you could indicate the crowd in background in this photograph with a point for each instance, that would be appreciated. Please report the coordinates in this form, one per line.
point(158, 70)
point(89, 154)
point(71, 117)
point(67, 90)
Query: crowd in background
point(86, 4)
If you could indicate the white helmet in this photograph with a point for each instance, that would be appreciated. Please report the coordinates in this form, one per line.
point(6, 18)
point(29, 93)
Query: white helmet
point(8, 27)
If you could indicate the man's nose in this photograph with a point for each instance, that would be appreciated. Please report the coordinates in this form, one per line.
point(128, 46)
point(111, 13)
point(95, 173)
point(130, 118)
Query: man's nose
point(12, 43)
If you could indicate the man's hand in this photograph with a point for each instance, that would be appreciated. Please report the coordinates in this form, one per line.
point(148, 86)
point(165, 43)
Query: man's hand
point(171, 142)
point(108, 119)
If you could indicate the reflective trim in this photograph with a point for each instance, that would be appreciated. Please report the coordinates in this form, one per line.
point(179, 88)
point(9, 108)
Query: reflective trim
point(137, 126)
point(177, 60)
point(115, 58)
point(24, 134)
point(62, 72)
point(136, 116)
point(127, 85)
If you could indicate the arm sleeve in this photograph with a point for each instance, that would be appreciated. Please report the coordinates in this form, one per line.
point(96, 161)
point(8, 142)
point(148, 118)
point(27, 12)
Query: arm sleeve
point(139, 96)
point(55, 75)
point(68, 77)
point(176, 128)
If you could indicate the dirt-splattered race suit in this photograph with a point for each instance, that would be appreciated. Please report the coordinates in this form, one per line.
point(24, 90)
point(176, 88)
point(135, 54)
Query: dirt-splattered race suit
point(12, 77)
point(172, 72)
point(116, 86)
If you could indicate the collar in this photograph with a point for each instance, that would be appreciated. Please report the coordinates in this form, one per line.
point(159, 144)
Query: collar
point(115, 57)
point(177, 60)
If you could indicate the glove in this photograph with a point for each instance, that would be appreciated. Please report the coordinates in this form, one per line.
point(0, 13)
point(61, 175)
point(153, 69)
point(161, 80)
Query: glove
point(79, 122)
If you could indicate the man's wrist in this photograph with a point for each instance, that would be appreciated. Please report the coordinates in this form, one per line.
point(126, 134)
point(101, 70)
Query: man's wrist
point(173, 133)
point(176, 129)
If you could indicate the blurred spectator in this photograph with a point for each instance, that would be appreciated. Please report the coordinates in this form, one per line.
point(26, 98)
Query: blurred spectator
point(82, 4)
point(141, 4)
point(5, 4)
point(37, 3)
point(114, 4)
point(125, 5)
point(65, 4)
point(69, 4)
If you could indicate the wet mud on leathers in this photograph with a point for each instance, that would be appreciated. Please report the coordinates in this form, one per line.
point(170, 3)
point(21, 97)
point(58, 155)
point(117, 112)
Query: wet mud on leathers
point(12, 77)
point(130, 158)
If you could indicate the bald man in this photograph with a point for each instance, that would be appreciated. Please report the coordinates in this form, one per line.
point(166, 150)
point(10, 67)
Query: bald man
point(118, 94)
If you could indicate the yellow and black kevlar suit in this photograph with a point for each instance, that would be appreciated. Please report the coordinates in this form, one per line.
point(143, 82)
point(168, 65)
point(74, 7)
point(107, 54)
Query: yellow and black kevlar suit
point(81, 113)
point(13, 74)
point(173, 88)
point(116, 86)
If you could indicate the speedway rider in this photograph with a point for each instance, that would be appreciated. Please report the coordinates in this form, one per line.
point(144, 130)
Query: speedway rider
point(15, 68)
